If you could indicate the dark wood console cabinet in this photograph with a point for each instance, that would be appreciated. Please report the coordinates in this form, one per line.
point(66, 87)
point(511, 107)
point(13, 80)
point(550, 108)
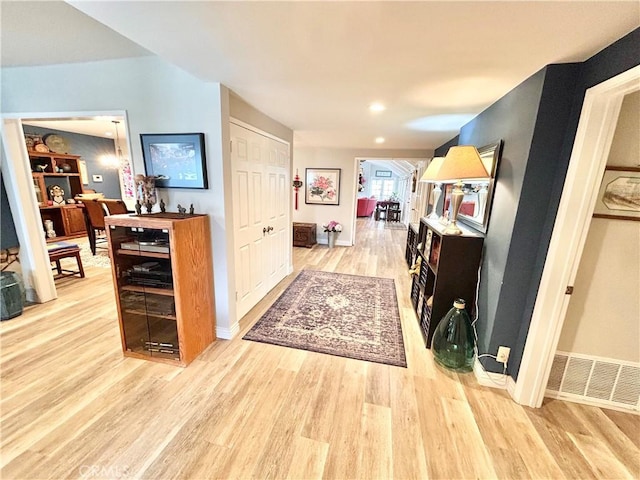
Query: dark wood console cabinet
point(449, 270)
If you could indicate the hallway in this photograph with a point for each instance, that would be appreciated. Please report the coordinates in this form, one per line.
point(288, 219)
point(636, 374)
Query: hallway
point(72, 406)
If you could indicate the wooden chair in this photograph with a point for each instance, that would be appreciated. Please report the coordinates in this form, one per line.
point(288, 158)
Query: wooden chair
point(381, 211)
point(94, 216)
point(393, 212)
point(114, 207)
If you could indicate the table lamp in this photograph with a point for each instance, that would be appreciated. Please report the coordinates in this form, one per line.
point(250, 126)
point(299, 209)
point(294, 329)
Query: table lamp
point(434, 166)
point(462, 162)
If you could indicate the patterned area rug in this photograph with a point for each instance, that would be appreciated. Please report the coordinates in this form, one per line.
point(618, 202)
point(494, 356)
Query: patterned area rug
point(344, 315)
point(100, 259)
point(395, 225)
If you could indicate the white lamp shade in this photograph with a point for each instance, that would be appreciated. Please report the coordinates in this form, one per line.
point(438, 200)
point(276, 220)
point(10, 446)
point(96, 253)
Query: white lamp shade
point(432, 169)
point(461, 163)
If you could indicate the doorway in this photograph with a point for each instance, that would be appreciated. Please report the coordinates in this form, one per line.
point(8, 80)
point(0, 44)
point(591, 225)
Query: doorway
point(17, 173)
point(599, 117)
point(381, 179)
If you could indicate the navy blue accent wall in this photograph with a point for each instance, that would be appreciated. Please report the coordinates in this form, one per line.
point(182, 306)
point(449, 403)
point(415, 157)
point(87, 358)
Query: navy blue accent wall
point(513, 119)
point(91, 149)
point(617, 58)
point(538, 122)
point(442, 150)
point(8, 237)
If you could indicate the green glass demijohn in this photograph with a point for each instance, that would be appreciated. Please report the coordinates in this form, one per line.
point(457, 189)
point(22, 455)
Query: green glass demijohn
point(453, 339)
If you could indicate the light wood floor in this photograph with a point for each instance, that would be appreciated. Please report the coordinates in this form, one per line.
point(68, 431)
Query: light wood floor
point(73, 407)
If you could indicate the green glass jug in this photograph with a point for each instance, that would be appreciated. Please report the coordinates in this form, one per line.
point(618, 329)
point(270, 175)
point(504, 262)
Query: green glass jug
point(453, 339)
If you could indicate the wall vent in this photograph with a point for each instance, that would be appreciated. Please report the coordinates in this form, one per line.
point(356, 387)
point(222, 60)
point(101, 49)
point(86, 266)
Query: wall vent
point(595, 381)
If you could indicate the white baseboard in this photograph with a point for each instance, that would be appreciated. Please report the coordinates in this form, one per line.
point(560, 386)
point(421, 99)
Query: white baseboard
point(490, 379)
point(340, 243)
point(228, 333)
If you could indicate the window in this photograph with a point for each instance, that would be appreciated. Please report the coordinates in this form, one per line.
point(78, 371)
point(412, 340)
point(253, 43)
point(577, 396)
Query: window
point(387, 188)
point(382, 189)
point(376, 188)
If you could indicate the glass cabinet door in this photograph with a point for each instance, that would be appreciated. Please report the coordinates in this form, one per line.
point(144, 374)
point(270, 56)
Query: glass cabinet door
point(145, 287)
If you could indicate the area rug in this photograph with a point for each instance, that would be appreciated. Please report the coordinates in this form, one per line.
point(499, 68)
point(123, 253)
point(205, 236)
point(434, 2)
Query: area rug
point(395, 225)
point(100, 259)
point(344, 315)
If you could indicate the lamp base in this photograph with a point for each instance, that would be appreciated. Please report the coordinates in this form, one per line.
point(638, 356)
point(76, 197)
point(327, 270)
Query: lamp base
point(456, 200)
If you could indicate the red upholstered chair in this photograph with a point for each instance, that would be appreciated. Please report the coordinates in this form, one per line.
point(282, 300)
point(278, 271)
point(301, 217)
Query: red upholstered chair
point(366, 206)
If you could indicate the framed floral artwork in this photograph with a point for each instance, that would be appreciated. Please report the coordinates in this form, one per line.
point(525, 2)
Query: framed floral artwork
point(323, 186)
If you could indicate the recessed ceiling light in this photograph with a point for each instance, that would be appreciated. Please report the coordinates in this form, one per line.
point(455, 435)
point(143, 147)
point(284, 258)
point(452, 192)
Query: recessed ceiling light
point(377, 107)
point(379, 139)
point(108, 134)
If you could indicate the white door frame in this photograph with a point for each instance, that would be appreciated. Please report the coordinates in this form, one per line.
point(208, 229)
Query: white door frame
point(594, 136)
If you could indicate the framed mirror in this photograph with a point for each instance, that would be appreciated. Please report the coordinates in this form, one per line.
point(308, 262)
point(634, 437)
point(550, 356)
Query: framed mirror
point(478, 196)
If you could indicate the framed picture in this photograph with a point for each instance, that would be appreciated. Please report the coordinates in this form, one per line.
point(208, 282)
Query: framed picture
point(322, 186)
point(619, 194)
point(383, 173)
point(176, 160)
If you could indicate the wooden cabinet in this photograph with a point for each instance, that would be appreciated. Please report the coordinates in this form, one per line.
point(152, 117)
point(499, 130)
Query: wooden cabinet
point(49, 169)
point(412, 244)
point(163, 279)
point(68, 221)
point(73, 220)
point(449, 270)
point(304, 234)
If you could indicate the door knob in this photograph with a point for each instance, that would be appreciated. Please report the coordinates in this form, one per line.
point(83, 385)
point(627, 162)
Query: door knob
point(264, 231)
point(269, 229)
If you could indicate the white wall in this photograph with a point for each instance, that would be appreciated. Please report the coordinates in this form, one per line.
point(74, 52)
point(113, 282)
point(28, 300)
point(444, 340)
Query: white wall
point(158, 98)
point(310, 157)
point(603, 316)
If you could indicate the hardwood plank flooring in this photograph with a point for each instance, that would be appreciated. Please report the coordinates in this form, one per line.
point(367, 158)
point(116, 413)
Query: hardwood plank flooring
point(73, 407)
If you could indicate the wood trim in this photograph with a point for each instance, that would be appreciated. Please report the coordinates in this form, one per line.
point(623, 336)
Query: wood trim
point(622, 168)
point(616, 217)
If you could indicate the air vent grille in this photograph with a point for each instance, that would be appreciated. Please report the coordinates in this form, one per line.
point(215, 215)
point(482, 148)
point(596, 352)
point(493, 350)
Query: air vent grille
point(595, 380)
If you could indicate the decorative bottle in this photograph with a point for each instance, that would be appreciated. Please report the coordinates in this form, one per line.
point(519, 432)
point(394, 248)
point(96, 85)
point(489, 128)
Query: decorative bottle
point(453, 339)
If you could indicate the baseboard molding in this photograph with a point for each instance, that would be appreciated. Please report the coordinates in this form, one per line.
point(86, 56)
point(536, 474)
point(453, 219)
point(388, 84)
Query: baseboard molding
point(339, 243)
point(592, 402)
point(228, 333)
point(490, 379)
point(32, 295)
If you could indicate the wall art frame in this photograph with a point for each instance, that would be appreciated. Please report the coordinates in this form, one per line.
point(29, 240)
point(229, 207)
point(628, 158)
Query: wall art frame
point(322, 186)
point(619, 194)
point(176, 160)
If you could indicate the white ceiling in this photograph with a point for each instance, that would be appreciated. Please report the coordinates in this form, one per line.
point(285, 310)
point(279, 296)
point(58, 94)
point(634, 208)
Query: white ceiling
point(316, 66)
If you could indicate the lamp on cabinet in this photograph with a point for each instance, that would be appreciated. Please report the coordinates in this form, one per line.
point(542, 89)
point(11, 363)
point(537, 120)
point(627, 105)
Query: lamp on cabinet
point(462, 162)
point(433, 167)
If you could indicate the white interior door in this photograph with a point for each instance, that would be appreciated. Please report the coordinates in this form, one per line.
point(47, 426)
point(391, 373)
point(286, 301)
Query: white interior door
point(260, 167)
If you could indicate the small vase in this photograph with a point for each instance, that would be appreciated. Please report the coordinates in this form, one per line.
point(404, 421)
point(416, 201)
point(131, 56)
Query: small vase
point(331, 236)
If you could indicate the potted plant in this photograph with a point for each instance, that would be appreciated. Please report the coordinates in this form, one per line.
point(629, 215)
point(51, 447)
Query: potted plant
point(332, 228)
